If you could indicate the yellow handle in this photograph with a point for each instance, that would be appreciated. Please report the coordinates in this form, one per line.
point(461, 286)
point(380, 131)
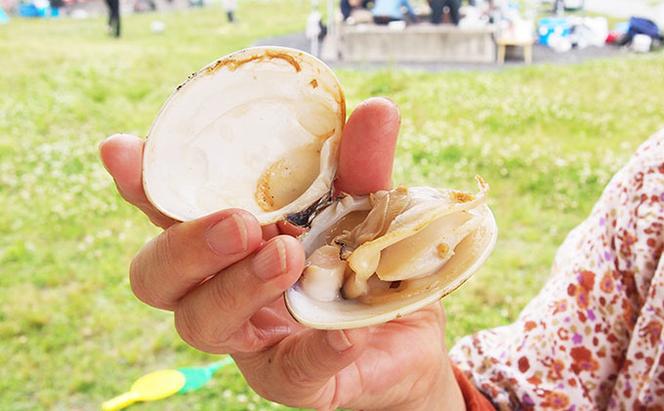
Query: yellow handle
point(121, 401)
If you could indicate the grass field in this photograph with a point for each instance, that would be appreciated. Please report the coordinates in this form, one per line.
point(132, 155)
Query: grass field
point(547, 138)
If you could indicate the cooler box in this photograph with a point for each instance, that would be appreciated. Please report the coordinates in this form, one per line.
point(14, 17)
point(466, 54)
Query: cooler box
point(552, 25)
point(28, 10)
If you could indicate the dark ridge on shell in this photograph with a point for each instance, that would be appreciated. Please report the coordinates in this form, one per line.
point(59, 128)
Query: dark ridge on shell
point(395, 284)
point(306, 216)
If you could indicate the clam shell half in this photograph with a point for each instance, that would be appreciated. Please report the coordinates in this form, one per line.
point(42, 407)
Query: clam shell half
point(258, 129)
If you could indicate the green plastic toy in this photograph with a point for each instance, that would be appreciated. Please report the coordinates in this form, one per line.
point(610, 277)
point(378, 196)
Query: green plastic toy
point(160, 384)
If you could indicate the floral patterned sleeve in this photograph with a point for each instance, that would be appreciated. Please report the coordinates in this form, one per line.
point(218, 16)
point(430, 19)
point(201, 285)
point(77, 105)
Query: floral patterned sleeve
point(592, 339)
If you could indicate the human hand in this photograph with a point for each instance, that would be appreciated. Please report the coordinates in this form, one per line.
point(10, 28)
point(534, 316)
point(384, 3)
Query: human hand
point(224, 276)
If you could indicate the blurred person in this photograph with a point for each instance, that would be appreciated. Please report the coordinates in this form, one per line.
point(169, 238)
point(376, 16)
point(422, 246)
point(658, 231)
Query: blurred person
point(558, 7)
point(230, 6)
point(438, 9)
point(640, 25)
point(56, 5)
point(386, 11)
point(591, 340)
point(347, 6)
point(114, 17)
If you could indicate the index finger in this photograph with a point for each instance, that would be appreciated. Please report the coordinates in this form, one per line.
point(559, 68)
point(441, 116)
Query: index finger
point(122, 155)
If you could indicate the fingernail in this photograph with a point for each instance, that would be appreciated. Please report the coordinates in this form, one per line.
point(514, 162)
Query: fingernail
point(228, 236)
point(270, 262)
point(338, 340)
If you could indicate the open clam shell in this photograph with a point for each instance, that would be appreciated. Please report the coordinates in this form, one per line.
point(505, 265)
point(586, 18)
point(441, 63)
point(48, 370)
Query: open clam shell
point(258, 129)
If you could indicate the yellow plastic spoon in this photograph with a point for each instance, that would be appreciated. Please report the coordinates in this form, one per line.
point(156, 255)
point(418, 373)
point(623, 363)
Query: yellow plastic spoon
point(160, 384)
point(150, 387)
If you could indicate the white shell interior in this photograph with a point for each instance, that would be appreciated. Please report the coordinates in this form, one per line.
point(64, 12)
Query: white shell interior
point(469, 255)
point(264, 120)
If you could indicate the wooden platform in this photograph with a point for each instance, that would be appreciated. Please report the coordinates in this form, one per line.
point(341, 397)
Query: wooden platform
point(417, 43)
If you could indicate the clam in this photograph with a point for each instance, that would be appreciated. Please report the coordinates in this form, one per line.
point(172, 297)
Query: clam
point(259, 129)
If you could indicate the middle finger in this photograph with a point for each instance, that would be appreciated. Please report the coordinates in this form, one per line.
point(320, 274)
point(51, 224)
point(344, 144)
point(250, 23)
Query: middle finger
point(215, 316)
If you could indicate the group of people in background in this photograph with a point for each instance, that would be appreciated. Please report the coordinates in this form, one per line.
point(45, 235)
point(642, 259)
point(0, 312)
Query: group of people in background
point(386, 11)
point(383, 11)
point(145, 5)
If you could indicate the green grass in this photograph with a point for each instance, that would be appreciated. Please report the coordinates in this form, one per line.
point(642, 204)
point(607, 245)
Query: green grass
point(547, 138)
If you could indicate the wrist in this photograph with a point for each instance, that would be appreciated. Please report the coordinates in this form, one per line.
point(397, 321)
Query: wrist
point(443, 393)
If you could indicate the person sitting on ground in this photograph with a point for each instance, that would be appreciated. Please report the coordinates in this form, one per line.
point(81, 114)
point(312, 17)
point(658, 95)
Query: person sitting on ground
point(386, 11)
point(438, 8)
point(591, 340)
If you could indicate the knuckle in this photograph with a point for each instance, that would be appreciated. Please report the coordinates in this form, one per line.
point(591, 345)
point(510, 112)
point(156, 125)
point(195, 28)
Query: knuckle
point(164, 249)
point(183, 325)
point(296, 373)
point(224, 297)
point(140, 285)
point(193, 333)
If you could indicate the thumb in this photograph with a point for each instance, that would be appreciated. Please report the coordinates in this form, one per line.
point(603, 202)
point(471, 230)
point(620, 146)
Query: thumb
point(301, 368)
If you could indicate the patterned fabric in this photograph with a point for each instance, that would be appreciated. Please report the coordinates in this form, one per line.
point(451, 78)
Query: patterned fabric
point(475, 400)
point(592, 339)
